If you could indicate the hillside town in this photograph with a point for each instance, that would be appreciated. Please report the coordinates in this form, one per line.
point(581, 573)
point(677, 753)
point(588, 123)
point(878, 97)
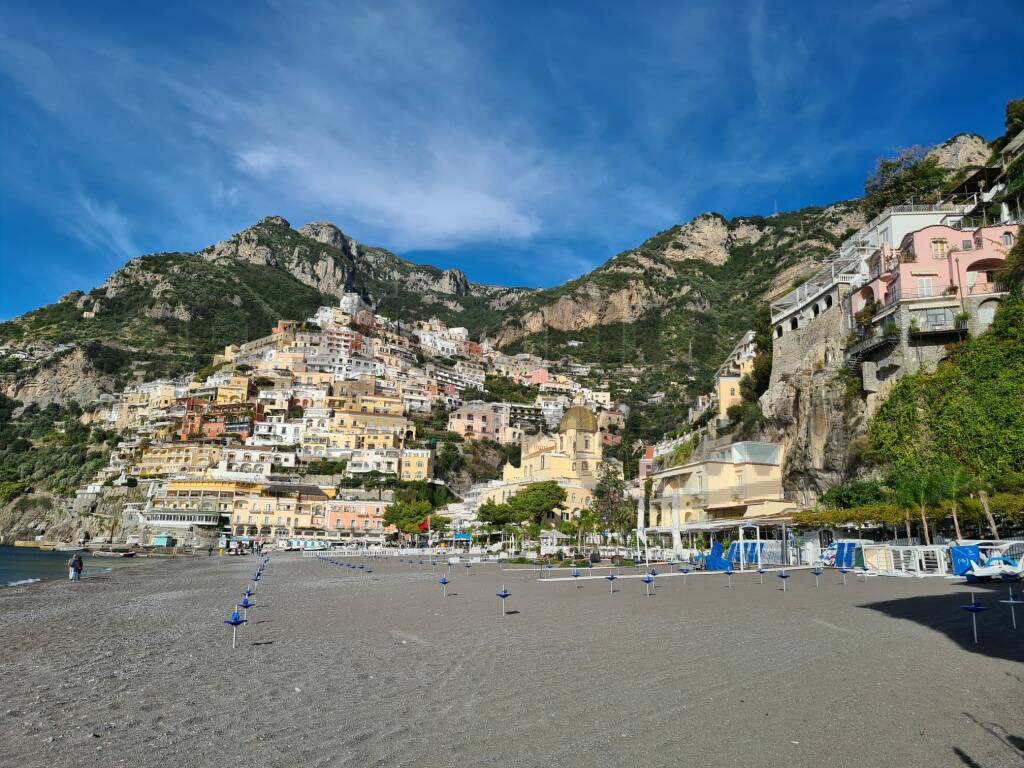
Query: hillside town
point(292, 438)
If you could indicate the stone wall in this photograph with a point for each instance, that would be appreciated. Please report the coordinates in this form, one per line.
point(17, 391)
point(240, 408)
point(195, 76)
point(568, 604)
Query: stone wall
point(817, 342)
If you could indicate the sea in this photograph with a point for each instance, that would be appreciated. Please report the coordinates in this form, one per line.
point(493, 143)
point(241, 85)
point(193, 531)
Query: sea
point(24, 565)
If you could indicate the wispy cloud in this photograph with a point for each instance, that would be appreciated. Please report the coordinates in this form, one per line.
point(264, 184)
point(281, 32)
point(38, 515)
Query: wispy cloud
point(102, 226)
point(463, 128)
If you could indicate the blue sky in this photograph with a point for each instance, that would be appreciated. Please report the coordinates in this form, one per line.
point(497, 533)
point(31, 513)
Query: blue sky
point(524, 143)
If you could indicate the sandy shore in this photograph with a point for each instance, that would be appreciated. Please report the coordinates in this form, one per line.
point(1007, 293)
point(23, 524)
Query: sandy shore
point(135, 668)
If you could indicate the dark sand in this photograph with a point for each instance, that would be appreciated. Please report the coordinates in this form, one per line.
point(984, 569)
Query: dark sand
point(340, 669)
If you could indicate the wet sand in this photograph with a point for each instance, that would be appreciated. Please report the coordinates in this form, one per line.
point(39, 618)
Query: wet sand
point(338, 668)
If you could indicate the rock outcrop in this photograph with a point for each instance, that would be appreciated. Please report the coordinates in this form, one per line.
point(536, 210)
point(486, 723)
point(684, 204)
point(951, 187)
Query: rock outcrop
point(65, 377)
point(966, 150)
point(821, 426)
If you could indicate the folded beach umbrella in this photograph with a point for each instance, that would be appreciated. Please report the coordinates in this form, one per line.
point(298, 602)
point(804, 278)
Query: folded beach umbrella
point(974, 608)
point(611, 582)
point(504, 594)
point(783, 575)
point(647, 579)
point(235, 621)
point(245, 605)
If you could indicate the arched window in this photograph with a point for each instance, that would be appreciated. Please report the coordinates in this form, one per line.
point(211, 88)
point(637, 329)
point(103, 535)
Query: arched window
point(828, 302)
point(817, 310)
point(778, 331)
point(794, 324)
point(1007, 239)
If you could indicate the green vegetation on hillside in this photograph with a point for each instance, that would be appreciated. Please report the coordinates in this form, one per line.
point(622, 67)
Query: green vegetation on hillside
point(48, 449)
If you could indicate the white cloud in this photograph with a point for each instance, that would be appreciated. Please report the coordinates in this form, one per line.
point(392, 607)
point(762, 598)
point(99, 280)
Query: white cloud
point(102, 226)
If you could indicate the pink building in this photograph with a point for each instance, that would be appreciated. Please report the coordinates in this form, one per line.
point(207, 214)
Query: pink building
point(357, 517)
point(937, 286)
point(938, 261)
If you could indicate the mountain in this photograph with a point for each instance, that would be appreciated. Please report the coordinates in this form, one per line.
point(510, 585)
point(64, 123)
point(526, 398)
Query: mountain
point(672, 306)
point(687, 292)
point(168, 312)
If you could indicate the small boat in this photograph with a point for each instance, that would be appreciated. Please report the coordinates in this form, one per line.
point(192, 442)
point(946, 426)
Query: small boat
point(69, 548)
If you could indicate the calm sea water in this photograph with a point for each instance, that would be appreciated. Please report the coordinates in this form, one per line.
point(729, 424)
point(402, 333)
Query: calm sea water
point(22, 565)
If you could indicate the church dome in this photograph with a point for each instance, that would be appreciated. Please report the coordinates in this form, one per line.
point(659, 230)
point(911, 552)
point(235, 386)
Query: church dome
point(579, 418)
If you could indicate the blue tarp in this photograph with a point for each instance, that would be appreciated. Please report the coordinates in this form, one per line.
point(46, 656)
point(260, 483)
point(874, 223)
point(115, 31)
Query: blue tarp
point(962, 557)
point(462, 537)
point(749, 553)
point(714, 560)
point(846, 552)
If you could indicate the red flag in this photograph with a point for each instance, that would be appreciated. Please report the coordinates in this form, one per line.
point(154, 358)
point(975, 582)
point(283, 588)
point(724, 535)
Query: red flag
point(425, 524)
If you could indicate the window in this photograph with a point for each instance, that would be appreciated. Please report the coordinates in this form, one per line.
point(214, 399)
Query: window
point(794, 324)
point(938, 249)
point(924, 286)
point(732, 391)
point(1007, 239)
point(977, 242)
point(778, 332)
point(828, 302)
point(967, 244)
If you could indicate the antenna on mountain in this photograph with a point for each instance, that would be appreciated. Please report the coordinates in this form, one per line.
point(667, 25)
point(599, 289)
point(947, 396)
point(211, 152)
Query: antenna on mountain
point(775, 209)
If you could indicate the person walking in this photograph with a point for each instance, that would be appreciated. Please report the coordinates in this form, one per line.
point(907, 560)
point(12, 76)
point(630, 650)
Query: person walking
point(78, 565)
point(71, 568)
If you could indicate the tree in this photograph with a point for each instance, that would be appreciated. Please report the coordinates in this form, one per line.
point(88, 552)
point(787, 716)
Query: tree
point(497, 514)
point(407, 516)
point(918, 486)
point(610, 503)
point(910, 175)
point(536, 501)
point(859, 493)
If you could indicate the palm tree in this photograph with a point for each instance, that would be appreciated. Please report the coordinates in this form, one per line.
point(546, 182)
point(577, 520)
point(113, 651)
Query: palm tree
point(918, 487)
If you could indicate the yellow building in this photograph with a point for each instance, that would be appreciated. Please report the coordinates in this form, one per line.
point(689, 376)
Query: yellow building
point(161, 459)
point(572, 458)
point(742, 480)
point(738, 364)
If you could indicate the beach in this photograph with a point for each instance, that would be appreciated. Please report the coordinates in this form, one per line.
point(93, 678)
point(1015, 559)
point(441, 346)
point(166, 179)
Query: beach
point(341, 668)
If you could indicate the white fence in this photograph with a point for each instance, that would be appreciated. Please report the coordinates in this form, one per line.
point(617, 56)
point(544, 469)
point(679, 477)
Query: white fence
point(889, 560)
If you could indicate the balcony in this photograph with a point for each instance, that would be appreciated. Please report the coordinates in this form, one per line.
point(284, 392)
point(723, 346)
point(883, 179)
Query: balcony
point(958, 328)
point(980, 289)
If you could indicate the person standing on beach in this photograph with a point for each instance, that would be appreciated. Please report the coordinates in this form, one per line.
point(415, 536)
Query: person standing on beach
point(71, 568)
point(77, 565)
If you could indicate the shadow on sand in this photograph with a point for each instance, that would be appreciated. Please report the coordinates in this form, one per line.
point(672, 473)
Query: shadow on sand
point(943, 613)
point(1013, 744)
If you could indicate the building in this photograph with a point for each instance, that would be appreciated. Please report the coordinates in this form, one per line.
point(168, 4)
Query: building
point(573, 458)
point(416, 464)
point(190, 458)
point(741, 481)
point(939, 284)
point(811, 323)
point(478, 420)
